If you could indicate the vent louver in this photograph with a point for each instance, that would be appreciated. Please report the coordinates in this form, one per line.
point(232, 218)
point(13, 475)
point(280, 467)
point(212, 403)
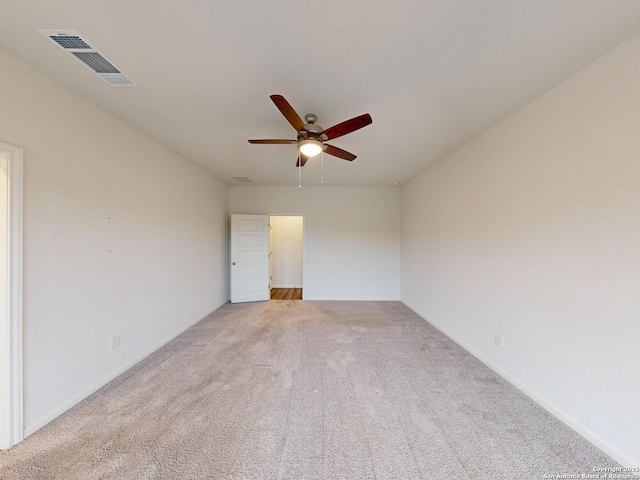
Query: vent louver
point(81, 49)
point(96, 61)
point(70, 41)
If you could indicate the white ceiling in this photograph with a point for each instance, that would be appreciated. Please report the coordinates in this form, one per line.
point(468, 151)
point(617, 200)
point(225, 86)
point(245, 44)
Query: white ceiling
point(433, 74)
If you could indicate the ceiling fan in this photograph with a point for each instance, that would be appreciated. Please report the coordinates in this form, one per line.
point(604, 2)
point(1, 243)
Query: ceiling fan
point(311, 136)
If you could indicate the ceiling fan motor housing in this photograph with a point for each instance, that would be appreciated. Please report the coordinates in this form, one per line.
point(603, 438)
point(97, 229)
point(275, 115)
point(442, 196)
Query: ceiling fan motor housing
point(312, 130)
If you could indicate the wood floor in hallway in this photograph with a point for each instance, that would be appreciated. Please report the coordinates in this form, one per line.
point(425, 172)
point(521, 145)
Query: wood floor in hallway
point(286, 294)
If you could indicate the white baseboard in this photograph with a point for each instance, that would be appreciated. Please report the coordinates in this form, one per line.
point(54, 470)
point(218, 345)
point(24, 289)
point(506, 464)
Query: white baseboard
point(350, 299)
point(56, 412)
point(286, 286)
point(614, 452)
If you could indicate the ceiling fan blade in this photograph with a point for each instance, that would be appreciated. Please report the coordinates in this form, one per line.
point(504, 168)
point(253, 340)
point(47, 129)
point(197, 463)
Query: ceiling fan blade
point(348, 126)
point(288, 112)
point(274, 142)
point(338, 152)
point(302, 160)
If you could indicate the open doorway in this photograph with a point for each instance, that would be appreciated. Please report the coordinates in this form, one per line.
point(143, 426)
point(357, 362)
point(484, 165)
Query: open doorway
point(286, 263)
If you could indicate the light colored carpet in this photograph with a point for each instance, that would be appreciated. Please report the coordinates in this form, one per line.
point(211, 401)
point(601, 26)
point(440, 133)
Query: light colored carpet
point(305, 390)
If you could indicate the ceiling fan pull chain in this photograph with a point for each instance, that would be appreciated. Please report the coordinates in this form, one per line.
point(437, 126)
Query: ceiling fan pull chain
point(299, 170)
point(321, 168)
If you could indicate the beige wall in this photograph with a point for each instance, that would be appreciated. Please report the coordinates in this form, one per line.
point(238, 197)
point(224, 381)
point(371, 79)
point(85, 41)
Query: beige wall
point(352, 236)
point(532, 231)
point(121, 237)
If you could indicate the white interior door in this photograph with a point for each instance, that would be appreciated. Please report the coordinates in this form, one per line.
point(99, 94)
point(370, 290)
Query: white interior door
point(249, 258)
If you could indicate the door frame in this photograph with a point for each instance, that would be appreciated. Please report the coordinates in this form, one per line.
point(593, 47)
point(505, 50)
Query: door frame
point(304, 243)
point(11, 325)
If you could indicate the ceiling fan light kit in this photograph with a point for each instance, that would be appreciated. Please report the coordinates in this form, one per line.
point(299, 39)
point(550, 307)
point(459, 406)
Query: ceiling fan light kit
point(311, 136)
point(310, 148)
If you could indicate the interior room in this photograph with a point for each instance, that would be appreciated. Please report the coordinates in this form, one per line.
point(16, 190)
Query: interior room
point(468, 284)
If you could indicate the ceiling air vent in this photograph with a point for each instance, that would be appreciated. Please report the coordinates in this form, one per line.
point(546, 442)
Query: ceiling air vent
point(82, 50)
point(69, 41)
point(118, 80)
point(96, 62)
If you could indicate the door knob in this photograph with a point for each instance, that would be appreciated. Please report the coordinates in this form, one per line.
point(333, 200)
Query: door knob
point(233, 263)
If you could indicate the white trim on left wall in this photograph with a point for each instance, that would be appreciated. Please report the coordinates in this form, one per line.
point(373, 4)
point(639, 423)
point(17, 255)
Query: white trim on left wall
point(11, 385)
